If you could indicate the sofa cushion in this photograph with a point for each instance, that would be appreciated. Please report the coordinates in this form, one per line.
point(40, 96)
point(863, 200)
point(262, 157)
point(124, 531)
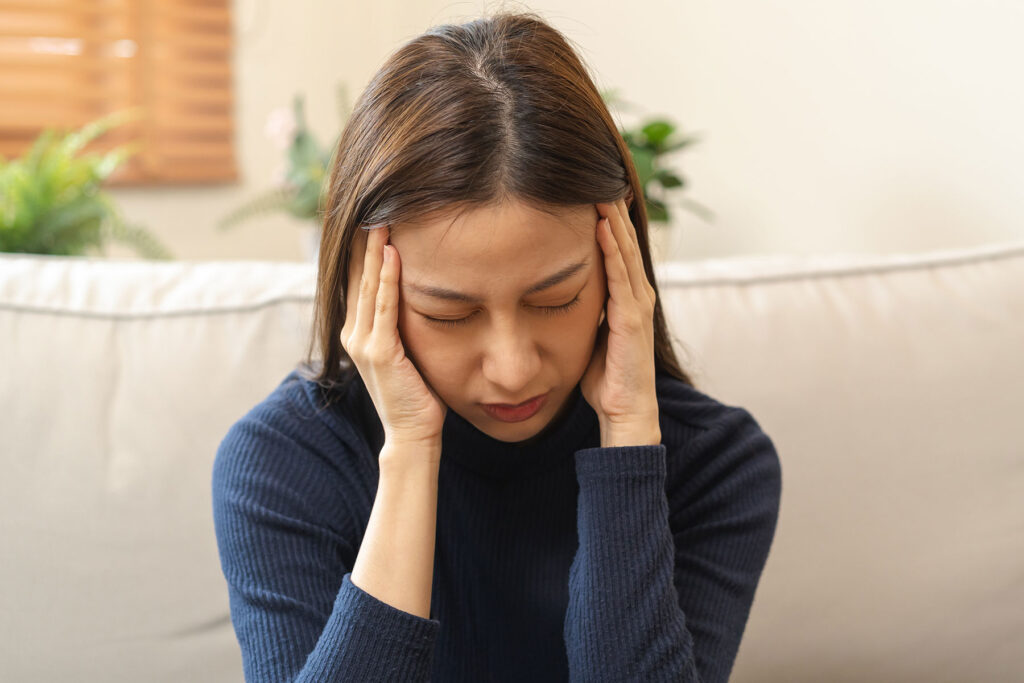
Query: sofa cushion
point(118, 382)
point(891, 386)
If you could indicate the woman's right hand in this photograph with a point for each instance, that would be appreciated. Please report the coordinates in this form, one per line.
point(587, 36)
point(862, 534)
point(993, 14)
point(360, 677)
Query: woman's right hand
point(411, 412)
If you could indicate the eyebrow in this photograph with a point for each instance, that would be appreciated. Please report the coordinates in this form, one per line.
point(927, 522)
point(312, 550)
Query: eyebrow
point(547, 283)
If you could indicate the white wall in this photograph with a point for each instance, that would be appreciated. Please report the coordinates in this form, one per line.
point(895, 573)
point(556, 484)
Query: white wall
point(867, 125)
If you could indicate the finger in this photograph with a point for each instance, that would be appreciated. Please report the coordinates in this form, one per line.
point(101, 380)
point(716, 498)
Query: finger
point(633, 248)
point(634, 239)
point(370, 280)
point(648, 287)
point(619, 287)
point(624, 244)
point(385, 323)
point(357, 253)
point(648, 282)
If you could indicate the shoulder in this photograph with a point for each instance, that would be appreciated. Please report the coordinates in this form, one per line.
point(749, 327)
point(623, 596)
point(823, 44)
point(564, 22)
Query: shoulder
point(299, 410)
point(689, 408)
point(710, 443)
point(295, 439)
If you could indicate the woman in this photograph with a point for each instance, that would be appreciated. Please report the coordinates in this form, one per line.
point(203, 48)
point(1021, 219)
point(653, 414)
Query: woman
point(498, 470)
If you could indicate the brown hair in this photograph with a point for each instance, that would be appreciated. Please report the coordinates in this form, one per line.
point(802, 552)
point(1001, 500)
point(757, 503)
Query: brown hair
point(466, 116)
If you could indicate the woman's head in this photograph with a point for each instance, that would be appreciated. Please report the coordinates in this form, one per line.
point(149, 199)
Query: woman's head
point(500, 305)
point(485, 147)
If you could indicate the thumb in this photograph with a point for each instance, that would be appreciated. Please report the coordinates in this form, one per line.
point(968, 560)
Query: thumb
point(600, 349)
point(594, 373)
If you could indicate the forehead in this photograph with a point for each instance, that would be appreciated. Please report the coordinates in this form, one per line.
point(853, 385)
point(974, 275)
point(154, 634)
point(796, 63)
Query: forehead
point(508, 241)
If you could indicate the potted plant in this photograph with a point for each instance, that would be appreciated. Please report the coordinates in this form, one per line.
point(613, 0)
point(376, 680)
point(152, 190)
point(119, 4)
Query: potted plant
point(648, 143)
point(52, 197)
point(298, 184)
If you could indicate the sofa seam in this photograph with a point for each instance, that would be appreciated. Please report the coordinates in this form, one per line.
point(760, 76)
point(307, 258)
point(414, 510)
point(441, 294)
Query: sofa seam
point(186, 312)
point(844, 271)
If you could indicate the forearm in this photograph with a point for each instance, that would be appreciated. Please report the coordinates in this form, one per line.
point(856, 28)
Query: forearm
point(623, 621)
point(395, 563)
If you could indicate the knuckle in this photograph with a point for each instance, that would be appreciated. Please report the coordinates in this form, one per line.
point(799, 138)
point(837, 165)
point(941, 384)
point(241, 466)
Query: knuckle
point(351, 343)
point(362, 359)
point(365, 287)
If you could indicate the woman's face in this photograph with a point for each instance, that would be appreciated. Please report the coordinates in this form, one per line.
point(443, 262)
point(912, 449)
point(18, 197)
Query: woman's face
point(501, 305)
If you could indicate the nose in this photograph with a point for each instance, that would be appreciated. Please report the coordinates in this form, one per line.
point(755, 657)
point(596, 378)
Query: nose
point(511, 361)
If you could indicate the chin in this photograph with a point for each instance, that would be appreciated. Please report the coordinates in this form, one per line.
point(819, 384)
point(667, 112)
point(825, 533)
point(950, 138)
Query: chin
point(511, 432)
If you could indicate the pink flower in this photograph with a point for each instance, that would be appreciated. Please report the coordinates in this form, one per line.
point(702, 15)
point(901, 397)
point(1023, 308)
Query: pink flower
point(280, 127)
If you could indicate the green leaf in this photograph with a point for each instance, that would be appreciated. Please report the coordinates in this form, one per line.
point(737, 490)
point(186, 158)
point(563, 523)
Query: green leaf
point(275, 200)
point(76, 140)
point(71, 226)
point(643, 159)
point(304, 151)
point(109, 162)
point(668, 179)
point(656, 210)
point(135, 236)
point(657, 132)
point(54, 203)
point(680, 144)
point(306, 201)
point(632, 139)
point(140, 239)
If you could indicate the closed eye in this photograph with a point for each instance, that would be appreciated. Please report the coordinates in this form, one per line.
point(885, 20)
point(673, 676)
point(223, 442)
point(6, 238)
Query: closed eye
point(545, 310)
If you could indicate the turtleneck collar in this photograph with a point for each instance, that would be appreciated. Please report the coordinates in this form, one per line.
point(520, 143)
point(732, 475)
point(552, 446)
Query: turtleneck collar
point(575, 428)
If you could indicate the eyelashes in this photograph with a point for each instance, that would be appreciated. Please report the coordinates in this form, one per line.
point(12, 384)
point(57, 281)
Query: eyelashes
point(544, 310)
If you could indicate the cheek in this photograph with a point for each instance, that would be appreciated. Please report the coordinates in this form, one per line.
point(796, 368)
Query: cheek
point(431, 351)
point(577, 333)
point(415, 334)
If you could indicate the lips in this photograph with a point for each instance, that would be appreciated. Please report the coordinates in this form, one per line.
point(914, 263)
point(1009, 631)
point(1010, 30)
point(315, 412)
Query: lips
point(518, 412)
point(513, 405)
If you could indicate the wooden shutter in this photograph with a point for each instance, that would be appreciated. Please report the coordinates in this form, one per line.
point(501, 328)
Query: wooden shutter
point(64, 63)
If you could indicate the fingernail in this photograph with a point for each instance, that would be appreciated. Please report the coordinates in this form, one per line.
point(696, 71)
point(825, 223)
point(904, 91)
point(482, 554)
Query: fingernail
point(387, 254)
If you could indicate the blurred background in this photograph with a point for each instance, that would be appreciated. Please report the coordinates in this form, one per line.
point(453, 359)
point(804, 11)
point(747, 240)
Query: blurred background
point(863, 126)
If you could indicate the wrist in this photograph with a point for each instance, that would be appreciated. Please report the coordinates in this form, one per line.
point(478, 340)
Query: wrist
point(408, 455)
point(630, 433)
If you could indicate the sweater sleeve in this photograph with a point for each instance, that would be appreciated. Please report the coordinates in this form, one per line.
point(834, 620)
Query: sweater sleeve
point(663, 580)
point(286, 542)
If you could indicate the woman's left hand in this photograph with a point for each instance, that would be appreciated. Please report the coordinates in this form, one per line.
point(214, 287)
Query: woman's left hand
point(619, 382)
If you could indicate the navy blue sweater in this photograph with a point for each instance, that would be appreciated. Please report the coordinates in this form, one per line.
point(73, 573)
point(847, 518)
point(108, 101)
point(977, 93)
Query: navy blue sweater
point(553, 562)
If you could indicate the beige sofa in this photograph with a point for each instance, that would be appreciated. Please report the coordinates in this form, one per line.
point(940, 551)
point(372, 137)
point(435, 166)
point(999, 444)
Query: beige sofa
point(892, 386)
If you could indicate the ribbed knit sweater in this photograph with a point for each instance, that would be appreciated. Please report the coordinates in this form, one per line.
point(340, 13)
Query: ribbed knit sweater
point(556, 561)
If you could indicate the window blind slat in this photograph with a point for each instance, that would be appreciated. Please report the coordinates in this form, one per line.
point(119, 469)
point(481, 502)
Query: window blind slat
point(65, 6)
point(66, 62)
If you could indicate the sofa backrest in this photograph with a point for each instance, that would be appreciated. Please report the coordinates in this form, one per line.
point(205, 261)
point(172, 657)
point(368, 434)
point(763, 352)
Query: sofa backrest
point(892, 386)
